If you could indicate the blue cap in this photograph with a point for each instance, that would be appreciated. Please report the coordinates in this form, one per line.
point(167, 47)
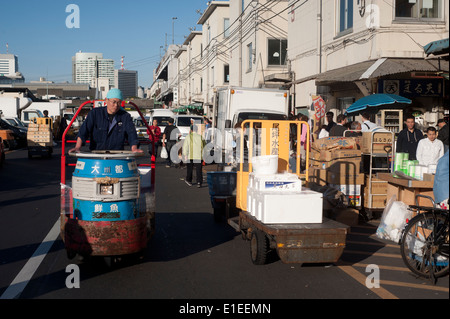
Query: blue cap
point(115, 94)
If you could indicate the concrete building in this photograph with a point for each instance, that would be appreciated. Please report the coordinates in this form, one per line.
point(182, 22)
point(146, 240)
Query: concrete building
point(127, 82)
point(214, 55)
point(257, 43)
point(9, 69)
point(88, 66)
point(65, 91)
point(343, 50)
point(165, 77)
point(190, 71)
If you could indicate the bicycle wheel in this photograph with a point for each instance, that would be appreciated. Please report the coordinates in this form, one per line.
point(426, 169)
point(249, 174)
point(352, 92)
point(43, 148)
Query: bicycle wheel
point(424, 245)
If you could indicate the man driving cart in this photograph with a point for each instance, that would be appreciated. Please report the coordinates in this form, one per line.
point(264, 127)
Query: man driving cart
point(108, 127)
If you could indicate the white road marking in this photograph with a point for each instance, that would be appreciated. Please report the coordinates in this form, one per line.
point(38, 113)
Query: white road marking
point(20, 282)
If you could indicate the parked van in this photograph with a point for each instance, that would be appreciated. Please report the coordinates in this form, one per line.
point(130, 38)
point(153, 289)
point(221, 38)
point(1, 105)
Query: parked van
point(162, 116)
point(183, 122)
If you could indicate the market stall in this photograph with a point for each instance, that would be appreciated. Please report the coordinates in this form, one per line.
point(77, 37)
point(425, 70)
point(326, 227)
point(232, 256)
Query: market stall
point(406, 190)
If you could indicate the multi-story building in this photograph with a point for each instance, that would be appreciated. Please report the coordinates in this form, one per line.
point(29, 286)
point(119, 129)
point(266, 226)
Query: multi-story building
point(190, 82)
point(165, 77)
point(9, 69)
point(257, 43)
point(127, 82)
point(214, 56)
point(343, 50)
point(89, 66)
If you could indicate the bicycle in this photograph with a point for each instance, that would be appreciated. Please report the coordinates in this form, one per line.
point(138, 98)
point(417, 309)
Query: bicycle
point(424, 241)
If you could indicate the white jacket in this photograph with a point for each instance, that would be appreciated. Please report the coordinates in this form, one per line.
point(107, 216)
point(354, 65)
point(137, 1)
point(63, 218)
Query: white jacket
point(429, 152)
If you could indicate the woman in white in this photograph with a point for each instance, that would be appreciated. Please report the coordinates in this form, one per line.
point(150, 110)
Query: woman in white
point(430, 149)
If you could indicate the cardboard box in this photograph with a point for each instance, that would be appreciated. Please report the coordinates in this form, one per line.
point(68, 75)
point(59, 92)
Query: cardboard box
point(334, 142)
point(317, 175)
point(378, 186)
point(342, 178)
point(382, 141)
point(348, 189)
point(378, 201)
point(32, 127)
point(350, 165)
point(329, 155)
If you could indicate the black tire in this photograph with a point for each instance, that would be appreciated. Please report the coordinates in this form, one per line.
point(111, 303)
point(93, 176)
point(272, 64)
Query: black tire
point(416, 248)
point(259, 248)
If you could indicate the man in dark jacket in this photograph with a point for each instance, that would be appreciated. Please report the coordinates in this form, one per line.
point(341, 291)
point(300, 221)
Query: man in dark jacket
point(340, 127)
point(409, 138)
point(170, 138)
point(443, 133)
point(108, 127)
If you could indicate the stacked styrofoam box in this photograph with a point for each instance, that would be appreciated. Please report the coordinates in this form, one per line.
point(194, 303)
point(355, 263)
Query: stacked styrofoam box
point(279, 199)
point(272, 183)
point(289, 207)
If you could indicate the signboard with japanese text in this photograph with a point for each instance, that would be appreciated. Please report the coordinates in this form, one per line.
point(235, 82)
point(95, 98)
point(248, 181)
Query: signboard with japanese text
point(319, 107)
point(412, 87)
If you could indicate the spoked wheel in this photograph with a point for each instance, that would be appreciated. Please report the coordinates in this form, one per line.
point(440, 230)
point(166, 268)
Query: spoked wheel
point(259, 247)
point(424, 245)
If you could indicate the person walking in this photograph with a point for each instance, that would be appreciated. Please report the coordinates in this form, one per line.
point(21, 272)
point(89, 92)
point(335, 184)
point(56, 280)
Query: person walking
point(154, 134)
point(193, 154)
point(409, 138)
point(170, 138)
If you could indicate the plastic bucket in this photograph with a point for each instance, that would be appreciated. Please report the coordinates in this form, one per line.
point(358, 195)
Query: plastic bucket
point(266, 164)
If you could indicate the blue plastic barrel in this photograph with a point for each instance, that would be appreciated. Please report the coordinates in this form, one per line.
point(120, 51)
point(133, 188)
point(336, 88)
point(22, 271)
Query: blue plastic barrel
point(106, 189)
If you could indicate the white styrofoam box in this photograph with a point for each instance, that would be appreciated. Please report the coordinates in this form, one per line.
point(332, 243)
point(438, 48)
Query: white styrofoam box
point(289, 208)
point(348, 189)
point(275, 182)
point(251, 201)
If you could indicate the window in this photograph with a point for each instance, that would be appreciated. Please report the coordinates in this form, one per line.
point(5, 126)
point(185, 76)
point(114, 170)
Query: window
point(226, 27)
point(250, 56)
point(418, 9)
point(277, 50)
point(345, 17)
point(212, 76)
point(226, 73)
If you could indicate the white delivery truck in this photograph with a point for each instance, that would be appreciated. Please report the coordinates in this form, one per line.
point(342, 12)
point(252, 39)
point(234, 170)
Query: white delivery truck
point(235, 105)
point(18, 107)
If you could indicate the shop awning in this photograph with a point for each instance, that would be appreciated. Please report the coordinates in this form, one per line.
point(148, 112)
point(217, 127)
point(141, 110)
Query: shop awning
point(379, 68)
point(376, 100)
point(437, 47)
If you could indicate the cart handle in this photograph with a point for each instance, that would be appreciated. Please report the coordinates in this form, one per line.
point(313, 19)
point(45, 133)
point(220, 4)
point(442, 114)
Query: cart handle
point(63, 139)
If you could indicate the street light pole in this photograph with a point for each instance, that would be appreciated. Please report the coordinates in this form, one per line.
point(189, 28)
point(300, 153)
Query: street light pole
point(173, 29)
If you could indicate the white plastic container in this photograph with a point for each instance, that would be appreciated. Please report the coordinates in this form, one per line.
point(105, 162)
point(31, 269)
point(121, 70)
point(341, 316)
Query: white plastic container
point(289, 208)
point(275, 182)
point(266, 164)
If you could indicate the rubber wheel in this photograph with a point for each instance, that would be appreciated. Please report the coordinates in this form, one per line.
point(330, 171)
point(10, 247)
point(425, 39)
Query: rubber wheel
point(259, 248)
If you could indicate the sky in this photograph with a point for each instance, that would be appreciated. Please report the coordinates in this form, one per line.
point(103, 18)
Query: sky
point(36, 32)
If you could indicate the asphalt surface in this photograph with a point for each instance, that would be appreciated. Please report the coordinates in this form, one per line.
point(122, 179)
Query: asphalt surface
point(190, 256)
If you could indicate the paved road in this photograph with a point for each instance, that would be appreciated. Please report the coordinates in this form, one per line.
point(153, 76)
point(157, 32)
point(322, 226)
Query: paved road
point(190, 256)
